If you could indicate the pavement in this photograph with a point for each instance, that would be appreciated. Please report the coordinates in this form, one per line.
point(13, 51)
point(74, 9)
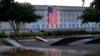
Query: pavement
point(70, 50)
point(39, 44)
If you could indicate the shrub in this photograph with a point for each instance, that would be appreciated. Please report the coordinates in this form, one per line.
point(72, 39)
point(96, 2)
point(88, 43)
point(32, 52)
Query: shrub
point(21, 34)
point(37, 34)
point(55, 33)
point(2, 35)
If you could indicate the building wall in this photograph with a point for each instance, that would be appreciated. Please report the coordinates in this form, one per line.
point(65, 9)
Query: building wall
point(6, 27)
point(67, 19)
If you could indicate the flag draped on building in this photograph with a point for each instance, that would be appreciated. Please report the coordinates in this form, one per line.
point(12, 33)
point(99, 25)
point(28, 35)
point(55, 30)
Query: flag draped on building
point(52, 15)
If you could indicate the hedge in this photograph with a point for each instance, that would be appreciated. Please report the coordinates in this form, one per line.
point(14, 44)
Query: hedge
point(26, 34)
point(2, 35)
point(55, 33)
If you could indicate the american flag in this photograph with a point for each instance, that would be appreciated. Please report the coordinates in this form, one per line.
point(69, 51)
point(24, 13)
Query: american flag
point(52, 15)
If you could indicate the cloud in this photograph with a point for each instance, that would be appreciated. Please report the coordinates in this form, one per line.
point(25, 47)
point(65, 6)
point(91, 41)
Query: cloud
point(57, 2)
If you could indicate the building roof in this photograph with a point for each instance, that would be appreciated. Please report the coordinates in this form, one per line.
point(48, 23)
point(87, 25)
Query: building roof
point(60, 7)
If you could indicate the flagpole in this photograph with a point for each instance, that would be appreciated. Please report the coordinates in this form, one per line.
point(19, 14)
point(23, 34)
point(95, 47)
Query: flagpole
point(83, 2)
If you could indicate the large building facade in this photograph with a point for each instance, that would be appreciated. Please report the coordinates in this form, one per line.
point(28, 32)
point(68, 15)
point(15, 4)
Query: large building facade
point(67, 18)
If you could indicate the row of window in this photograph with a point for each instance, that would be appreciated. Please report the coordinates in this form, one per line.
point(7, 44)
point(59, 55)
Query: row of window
point(66, 26)
point(61, 14)
point(68, 14)
point(63, 20)
point(68, 20)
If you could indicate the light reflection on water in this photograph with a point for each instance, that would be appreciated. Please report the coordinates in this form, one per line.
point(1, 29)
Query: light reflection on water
point(71, 52)
point(63, 52)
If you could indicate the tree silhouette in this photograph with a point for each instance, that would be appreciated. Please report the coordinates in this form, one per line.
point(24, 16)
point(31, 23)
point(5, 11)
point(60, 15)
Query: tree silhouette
point(17, 14)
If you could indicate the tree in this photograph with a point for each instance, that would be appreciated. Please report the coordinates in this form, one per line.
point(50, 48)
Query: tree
point(92, 13)
point(17, 14)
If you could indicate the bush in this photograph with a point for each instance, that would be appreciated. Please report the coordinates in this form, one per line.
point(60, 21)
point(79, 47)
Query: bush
point(37, 34)
point(55, 33)
point(2, 35)
point(21, 34)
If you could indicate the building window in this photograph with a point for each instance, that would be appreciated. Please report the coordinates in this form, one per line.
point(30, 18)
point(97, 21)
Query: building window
point(51, 26)
point(92, 25)
point(73, 25)
point(88, 26)
point(42, 26)
point(38, 26)
point(96, 25)
point(60, 25)
point(60, 14)
point(60, 20)
point(77, 25)
point(56, 26)
point(47, 26)
point(72, 20)
point(68, 14)
point(65, 20)
point(72, 14)
point(69, 20)
point(69, 25)
point(64, 25)
point(76, 14)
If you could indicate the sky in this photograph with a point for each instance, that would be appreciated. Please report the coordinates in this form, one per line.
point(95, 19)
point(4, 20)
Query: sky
point(57, 2)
